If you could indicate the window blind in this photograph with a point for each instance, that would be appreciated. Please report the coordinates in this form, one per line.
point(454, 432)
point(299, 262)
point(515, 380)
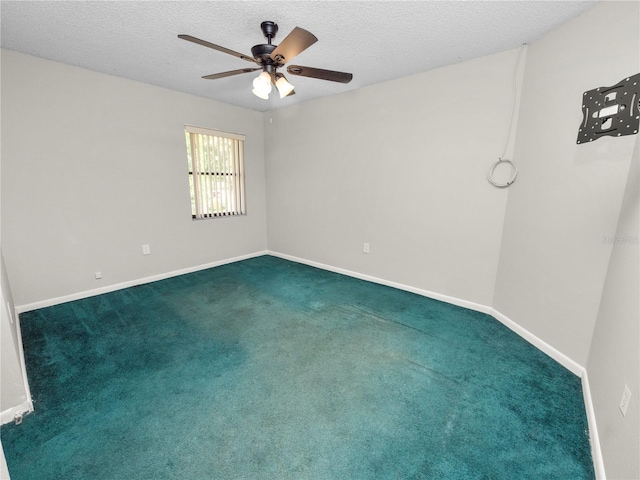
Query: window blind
point(216, 172)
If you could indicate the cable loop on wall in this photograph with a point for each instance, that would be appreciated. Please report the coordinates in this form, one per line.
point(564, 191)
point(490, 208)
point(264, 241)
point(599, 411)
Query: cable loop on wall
point(517, 86)
point(514, 168)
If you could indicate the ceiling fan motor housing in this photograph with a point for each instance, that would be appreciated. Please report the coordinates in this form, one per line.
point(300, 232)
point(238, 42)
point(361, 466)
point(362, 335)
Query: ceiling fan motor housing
point(269, 29)
point(263, 52)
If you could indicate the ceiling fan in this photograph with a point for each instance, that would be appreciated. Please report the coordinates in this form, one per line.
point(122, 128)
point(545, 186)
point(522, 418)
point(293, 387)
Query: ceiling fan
point(269, 58)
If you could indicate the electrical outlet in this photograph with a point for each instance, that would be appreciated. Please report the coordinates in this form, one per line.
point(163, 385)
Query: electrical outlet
point(146, 249)
point(98, 275)
point(366, 248)
point(624, 402)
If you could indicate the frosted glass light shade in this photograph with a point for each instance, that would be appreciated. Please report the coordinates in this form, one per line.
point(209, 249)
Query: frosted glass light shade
point(283, 86)
point(262, 85)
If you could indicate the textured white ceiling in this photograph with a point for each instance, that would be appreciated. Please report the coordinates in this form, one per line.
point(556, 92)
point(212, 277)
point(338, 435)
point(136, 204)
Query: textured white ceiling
point(376, 41)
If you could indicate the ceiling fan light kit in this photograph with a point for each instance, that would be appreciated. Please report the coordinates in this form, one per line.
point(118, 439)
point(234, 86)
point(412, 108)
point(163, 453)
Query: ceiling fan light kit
point(270, 57)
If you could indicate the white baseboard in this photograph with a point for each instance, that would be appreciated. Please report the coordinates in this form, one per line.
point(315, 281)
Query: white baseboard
point(425, 293)
point(23, 366)
point(596, 452)
point(8, 415)
point(540, 344)
point(131, 283)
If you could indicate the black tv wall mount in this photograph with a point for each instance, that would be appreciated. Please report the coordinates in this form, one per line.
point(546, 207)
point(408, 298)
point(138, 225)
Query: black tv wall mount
point(612, 111)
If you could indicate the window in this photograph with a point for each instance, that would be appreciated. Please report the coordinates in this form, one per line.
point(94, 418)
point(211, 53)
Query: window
point(216, 172)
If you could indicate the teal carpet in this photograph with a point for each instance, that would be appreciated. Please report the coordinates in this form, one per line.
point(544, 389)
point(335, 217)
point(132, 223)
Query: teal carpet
point(267, 369)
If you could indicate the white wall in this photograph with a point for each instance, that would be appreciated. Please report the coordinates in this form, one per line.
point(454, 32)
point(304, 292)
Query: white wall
point(614, 358)
point(94, 166)
point(567, 197)
point(402, 166)
point(13, 391)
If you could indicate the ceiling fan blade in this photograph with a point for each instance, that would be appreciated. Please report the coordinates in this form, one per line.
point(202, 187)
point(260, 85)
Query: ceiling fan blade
point(294, 43)
point(215, 76)
point(204, 43)
point(310, 72)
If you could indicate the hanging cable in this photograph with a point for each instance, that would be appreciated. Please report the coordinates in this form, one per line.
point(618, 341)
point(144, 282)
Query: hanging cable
point(502, 159)
point(514, 169)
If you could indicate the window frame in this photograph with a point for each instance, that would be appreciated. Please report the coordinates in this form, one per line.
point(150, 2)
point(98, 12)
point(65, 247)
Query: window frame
point(210, 198)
